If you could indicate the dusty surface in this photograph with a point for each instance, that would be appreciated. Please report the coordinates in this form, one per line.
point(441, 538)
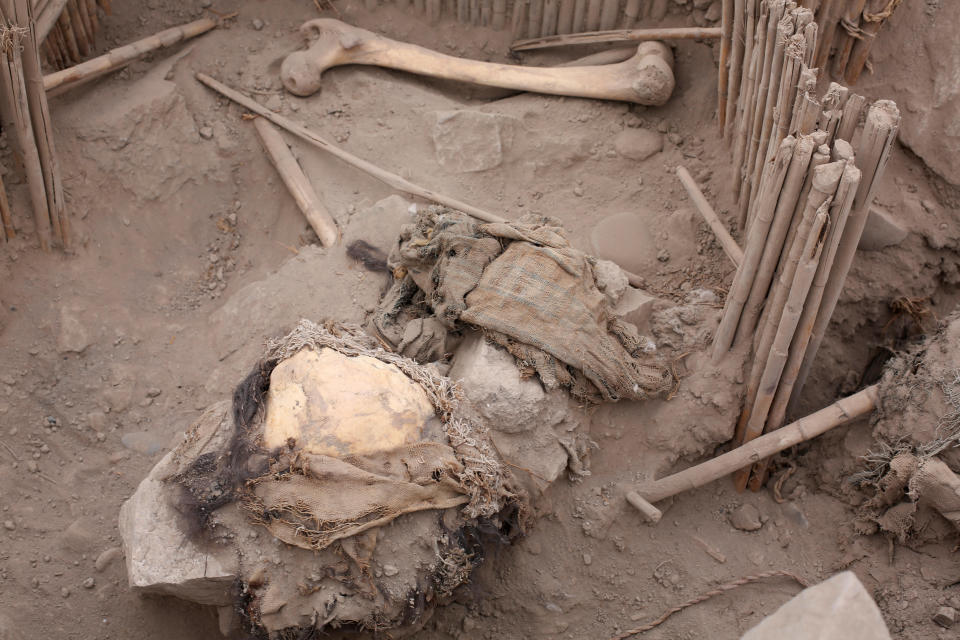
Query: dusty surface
point(110, 353)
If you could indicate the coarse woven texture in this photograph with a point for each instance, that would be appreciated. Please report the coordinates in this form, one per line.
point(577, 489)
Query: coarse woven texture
point(530, 291)
point(313, 500)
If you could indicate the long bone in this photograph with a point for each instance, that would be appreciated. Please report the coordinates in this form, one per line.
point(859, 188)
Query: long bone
point(646, 78)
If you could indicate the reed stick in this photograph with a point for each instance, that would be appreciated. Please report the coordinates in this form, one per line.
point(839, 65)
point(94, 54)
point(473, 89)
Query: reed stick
point(793, 60)
point(841, 412)
point(658, 9)
point(727, 243)
point(69, 38)
point(726, 22)
point(391, 179)
point(852, 111)
point(92, 14)
point(828, 17)
point(535, 18)
point(593, 15)
point(519, 20)
point(617, 35)
point(121, 56)
point(549, 25)
point(565, 17)
point(9, 233)
point(811, 35)
point(19, 110)
point(297, 183)
point(48, 18)
point(87, 24)
point(435, 10)
point(873, 151)
point(463, 11)
point(753, 252)
point(499, 20)
point(79, 29)
point(780, 348)
point(845, 39)
point(736, 68)
point(755, 29)
point(631, 13)
point(579, 16)
point(486, 12)
point(874, 15)
point(786, 204)
point(608, 14)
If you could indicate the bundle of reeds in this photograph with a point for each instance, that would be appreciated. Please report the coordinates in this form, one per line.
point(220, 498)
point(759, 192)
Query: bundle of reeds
point(68, 29)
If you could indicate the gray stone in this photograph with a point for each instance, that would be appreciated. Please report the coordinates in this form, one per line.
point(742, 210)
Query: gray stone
point(81, 536)
point(380, 224)
point(714, 11)
point(638, 144)
point(206, 133)
point(467, 141)
point(746, 518)
point(161, 557)
point(610, 279)
point(72, 336)
point(945, 617)
point(146, 442)
point(636, 306)
point(836, 608)
point(257, 24)
point(881, 230)
point(107, 558)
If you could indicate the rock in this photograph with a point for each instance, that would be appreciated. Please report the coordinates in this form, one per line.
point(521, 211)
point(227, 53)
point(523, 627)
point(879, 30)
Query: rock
point(945, 617)
point(625, 238)
point(72, 336)
point(638, 144)
point(147, 443)
point(206, 133)
point(9, 525)
point(836, 608)
point(81, 536)
point(491, 380)
point(467, 141)
point(161, 557)
point(610, 279)
point(380, 225)
point(714, 11)
point(881, 230)
point(257, 24)
point(107, 558)
point(746, 518)
point(335, 405)
point(636, 306)
point(390, 570)
point(89, 583)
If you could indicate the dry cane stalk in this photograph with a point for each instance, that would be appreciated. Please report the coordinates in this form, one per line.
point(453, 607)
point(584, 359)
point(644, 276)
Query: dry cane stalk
point(793, 55)
point(784, 32)
point(810, 34)
point(782, 217)
point(499, 19)
point(851, 21)
point(434, 10)
point(736, 68)
point(42, 125)
point(87, 24)
point(823, 185)
point(725, 44)
point(579, 16)
point(852, 111)
point(617, 35)
point(658, 9)
point(463, 11)
point(48, 18)
point(79, 28)
point(8, 231)
point(593, 15)
point(565, 17)
point(631, 11)
point(756, 238)
point(841, 412)
point(747, 101)
point(753, 144)
point(535, 18)
point(820, 157)
point(92, 13)
point(475, 12)
point(68, 36)
point(549, 25)
point(19, 110)
point(873, 151)
point(779, 349)
point(873, 16)
point(608, 14)
point(519, 22)
point(729, 245)
point(827, 20)
point(121, 56)
point(297, 183)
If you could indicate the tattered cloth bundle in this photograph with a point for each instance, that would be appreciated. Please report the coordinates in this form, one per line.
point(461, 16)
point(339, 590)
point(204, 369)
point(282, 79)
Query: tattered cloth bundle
point(529, 290)
point(335, 436)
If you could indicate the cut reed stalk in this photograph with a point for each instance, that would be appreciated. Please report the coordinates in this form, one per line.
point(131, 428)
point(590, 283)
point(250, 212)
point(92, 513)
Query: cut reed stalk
point(658, 9)
point(549, 25)
point(874, 15)
point(726, 241)
point(736, 69)
point(519, 20)
point(726, 22)
point(852, 111)
point(593, 14)
point(755, 31)
point(608, 14)
point(579, 16)
point(5, 216)
point(565, 17)
point(617, 35)
point(499, 20)
point(849, 24)
point(631, 13)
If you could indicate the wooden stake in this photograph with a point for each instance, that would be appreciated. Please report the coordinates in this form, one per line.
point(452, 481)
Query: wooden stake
point(391, 179)
point(747, 104)
point(535, 18)
point(726, 22)
point(779, 350)
point(793, 60)
point(608, 14)
point(87, 25)
point(845, 40)
point(841, 412)
point(852, 111)
point(873, 151)
point(463, 11)
point(827, 21)
point(48, 18)
point(782, 216)
point(618, 35)
point(873, 17)
point(298, 183)
point(756, 239)
point(121, 56)
point(729, 245)
point(66, 28)
point(435, 9)
point(736, 68)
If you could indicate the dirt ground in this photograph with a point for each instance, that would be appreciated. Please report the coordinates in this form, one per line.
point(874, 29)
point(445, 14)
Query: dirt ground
point(111, 352)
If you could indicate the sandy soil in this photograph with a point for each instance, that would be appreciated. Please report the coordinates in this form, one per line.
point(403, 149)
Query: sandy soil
point(170, 224)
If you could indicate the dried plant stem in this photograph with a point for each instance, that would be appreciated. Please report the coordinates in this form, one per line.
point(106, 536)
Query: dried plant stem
point(868, 33)
point(726, 38)
point(747, 106)
point(5, 218)
point(736, 68)
point(729, 245)
point(852, 111)
point(631, 12)
point(851, 16)
point(617, 35)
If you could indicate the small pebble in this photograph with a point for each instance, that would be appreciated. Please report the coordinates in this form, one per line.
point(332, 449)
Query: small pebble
point(206, 132)
point(32, 466)
point(390, 570)
point(65, 592)
point(9, 525)
point(89, 583)
point(257, 24)
point(746, 518)
point(945, 617)
point(587, 559)
point(578, 191)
